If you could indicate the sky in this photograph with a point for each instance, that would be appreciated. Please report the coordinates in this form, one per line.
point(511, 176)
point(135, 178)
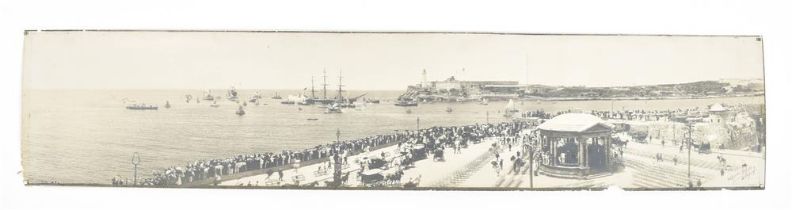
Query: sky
point(374, 61)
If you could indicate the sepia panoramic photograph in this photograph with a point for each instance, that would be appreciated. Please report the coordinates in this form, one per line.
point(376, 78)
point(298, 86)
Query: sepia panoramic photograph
point(392, 110)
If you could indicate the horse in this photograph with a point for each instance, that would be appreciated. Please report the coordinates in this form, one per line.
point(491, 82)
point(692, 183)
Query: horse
point(395, 178)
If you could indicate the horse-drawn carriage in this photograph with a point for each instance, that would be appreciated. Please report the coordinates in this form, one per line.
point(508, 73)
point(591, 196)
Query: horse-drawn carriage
point(418, 152)
point(703, 147)
point(381, 178)
point(339, 179)
point(371, 177)
point(376, 162)
point(438, 154)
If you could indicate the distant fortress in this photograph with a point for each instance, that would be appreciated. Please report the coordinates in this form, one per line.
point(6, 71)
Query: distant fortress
point(453, 90)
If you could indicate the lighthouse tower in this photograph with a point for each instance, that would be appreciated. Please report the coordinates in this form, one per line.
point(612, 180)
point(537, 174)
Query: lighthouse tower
point(424, 83)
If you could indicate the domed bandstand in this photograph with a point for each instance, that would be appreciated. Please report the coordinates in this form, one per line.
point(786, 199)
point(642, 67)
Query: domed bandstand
point(575, 145)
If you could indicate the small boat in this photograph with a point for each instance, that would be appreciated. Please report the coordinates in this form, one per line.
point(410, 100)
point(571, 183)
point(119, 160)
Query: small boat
point(233, 95)
point(291, 100)
point(449, 110)
point(141, 107)
point(188, 97)
point(333, 109)
point(255, 98)
point(484, 101)
point(208, 96)
point(346, 105)
point(406, 103)
point(167, 105)
point(313, 119)
point(241, 111)
point(214, 104)
point(409, 111)
point(511, 109)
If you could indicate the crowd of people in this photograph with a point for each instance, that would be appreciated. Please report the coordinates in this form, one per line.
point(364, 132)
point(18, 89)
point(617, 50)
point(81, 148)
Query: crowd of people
point(638, 114)
point(434, 138)
point(648, 115)
point(214, 169)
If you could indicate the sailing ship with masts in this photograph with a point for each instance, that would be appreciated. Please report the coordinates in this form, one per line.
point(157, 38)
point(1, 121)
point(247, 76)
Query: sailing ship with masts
point(276, 96)
point(324, 100)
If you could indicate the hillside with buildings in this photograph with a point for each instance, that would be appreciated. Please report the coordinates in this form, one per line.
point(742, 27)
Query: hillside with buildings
point(453, 90)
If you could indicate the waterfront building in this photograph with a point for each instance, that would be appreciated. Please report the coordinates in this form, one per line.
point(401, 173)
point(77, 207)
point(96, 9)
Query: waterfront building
point(452, 89)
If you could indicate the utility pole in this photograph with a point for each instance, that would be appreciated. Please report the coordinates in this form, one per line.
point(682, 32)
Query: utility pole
point(135, 162)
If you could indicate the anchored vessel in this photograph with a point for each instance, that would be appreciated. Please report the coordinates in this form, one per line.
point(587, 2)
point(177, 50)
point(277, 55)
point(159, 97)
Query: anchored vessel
point(406, 103)
point(276, 96)
point(208, 96)
point(241, 111)
point(233, 95)
point(333, 109)
point(142, 107)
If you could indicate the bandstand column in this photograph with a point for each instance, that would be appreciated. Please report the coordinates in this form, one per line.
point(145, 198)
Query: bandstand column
point(607, 152)
point(585, 152)
point(553, 148)
point(580, 140)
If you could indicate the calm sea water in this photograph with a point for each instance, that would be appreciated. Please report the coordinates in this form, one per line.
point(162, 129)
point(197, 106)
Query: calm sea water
point(87, 136)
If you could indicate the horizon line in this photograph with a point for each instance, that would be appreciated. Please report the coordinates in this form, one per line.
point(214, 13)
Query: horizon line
point(375, 89)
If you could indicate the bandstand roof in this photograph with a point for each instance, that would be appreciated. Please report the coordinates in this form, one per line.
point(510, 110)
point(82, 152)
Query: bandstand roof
point(575, 122)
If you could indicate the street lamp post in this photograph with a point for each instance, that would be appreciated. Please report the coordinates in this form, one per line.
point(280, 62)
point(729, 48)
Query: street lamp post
point(530, 165)
point(135, 162)
point(690, 144)
point(689, 141)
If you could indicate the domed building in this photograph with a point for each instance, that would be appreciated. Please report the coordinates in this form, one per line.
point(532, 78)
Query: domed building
point(575, 145)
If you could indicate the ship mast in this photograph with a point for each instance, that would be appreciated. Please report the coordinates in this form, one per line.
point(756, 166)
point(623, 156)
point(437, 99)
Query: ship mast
point(340, 94)
point(324, 84)
point(312, 88)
